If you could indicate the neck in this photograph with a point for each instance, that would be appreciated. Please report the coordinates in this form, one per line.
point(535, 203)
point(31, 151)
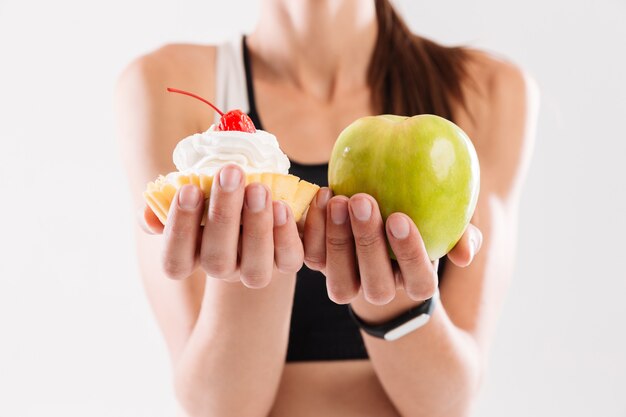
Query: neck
point(322, 47)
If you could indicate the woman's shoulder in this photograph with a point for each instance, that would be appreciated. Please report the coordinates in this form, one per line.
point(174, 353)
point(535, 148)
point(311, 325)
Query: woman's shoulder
point(500, 113)
point(491, 78)
point(502, 77)
point(144, 81)
point(187, 66)
point(173, 60)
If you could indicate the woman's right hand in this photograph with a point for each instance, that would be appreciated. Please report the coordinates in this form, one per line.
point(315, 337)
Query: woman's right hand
point(245, 237)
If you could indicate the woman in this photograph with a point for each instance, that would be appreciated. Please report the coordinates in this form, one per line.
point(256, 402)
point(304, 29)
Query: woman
point(308, 70)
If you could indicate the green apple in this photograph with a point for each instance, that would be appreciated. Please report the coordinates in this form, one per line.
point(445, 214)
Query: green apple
point(424, 166)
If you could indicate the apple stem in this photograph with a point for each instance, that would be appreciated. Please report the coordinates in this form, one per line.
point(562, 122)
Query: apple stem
point(176, 90)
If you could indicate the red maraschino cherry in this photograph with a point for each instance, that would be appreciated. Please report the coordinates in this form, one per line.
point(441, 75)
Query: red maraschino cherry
point(232, 120)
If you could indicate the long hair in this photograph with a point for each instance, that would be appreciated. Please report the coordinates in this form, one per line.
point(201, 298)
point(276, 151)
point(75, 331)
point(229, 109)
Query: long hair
point(411, 75)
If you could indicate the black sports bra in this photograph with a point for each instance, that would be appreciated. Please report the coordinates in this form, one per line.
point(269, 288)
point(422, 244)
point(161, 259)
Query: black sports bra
point(320, 330)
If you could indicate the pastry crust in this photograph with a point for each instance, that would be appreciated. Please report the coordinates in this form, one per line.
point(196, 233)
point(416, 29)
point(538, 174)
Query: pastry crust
point(292, 190)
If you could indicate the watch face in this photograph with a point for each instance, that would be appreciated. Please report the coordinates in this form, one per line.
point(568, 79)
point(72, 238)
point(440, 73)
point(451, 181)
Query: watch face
point(407, 327)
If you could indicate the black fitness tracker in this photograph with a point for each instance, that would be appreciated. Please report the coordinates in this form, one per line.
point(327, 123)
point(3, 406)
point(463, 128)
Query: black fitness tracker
point(401, 325)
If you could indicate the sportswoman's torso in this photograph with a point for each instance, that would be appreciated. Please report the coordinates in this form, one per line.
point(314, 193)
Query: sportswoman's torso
point(306, 128)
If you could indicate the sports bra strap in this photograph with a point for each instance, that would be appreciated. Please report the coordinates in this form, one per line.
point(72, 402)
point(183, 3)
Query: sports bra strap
point(230, 77)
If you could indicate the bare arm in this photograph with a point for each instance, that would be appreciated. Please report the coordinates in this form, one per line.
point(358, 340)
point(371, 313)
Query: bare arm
point(227, 341)
point(436, 370)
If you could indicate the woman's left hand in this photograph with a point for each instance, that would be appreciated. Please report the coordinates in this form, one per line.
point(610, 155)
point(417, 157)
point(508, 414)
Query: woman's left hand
point(346, 239)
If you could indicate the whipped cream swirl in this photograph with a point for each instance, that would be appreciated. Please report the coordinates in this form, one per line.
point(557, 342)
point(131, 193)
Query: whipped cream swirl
point(205, 153)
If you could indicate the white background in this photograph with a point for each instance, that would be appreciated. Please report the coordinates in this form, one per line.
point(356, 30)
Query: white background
point(76, 335)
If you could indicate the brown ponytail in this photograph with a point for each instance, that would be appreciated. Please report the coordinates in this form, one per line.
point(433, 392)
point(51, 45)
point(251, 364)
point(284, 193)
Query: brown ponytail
point(410, 75)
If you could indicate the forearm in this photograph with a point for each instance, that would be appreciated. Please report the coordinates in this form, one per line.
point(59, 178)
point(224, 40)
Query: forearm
point(234, 358)
point(433, 371)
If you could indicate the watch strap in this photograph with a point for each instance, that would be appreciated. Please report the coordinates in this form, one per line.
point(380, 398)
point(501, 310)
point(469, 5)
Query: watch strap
point(400, 325)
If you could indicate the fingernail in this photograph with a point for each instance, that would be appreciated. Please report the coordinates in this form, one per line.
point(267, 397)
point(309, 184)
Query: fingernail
point(280, 214)
point(362, 209)
point(339, 212)
point(475, 239)
point(255, 198)
point(230, 177)
point(473, 245)
point(188, 197)
point(322, 198)
point(399, 227)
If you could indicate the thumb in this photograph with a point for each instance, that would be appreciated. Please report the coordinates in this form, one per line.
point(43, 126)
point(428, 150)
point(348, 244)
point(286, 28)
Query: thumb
point(467, 247)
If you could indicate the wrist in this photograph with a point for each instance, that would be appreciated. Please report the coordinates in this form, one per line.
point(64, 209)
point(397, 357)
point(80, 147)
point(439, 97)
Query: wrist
point(378, 314)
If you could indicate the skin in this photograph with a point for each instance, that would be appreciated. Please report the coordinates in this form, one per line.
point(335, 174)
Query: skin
point(225, 318)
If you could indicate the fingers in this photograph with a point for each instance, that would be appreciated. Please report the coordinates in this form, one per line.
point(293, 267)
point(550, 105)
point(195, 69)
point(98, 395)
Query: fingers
point(419, 277)
point(288, 251)
point(342, 281)
point(377, 279)
point(257, 244)
point(315, 231)
point(149, 222)
point(181, 232)
point(467, 247)
point(218, 256)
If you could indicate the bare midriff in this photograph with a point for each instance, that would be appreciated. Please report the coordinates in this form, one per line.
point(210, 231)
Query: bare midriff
point(337, 388)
